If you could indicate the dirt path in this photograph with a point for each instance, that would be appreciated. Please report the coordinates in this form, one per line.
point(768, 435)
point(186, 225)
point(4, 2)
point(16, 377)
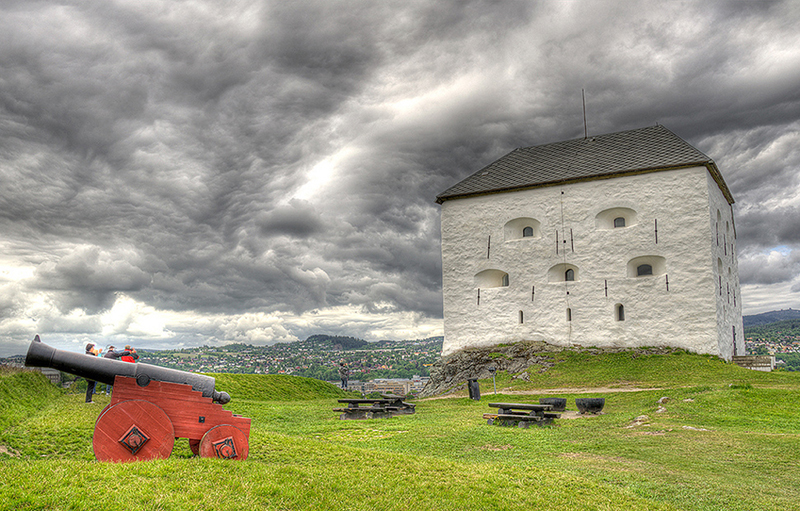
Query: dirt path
point(581, 390)
point(560, 390)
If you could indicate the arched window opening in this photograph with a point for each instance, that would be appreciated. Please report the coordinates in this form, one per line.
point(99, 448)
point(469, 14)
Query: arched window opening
point(569, 314)
point(645, 266)
point(523, 227)
point(491, 278)
point(563, 272)
point(620, 312)
point(616, 217)
point(521, 318)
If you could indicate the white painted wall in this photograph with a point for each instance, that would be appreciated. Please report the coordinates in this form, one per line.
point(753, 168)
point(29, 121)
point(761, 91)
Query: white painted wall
point(726, 274)
point(691, 314)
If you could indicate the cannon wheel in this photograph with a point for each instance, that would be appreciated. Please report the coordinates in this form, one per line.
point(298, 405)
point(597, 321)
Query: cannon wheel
point(194, 445)
point(226, 442)
point(131, 431)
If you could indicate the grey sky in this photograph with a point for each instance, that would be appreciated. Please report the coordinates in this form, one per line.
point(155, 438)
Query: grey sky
point(203, 172)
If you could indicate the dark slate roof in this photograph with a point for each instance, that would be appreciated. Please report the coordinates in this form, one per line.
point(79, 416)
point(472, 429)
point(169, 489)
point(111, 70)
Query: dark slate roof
point(649, 149)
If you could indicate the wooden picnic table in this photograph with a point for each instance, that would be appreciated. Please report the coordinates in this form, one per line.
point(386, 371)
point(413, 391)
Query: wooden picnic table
point(520, 414)
point(387, 406)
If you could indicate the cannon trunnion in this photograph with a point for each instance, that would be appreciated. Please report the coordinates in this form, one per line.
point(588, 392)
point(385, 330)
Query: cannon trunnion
point(150, 407)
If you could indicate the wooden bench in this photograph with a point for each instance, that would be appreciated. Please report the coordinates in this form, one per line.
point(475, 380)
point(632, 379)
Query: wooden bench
point(520, 414)
point(363, 412)
point(398, 406)
point(387, 406)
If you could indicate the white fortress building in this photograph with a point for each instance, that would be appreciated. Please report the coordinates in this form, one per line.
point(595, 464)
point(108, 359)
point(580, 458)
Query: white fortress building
point(618, 240)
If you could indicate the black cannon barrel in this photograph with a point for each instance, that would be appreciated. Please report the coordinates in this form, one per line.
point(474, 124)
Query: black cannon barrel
point(105, 370)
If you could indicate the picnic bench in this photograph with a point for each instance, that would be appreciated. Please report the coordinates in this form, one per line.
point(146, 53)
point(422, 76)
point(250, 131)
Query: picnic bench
point(387, 406)
point(520, 414)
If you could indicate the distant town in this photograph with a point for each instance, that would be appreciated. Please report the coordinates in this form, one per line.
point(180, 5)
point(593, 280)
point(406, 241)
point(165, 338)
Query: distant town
point(779, 338)
point(383, 366)
point(774, 343)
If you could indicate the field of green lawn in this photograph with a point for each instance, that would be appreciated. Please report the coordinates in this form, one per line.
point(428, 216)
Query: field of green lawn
point(727, 438)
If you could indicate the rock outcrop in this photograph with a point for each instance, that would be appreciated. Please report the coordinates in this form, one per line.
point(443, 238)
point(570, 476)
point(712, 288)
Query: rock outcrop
point(451, 372)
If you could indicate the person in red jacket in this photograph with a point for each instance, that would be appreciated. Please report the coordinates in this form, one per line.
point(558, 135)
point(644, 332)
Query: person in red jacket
point(132, 356)
point(113, 354)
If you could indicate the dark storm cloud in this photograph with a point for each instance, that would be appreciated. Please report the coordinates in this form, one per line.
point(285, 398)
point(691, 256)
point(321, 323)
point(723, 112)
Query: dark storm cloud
point(297, 219)
point(89, 279)
point(191, 172)
point(759, 228)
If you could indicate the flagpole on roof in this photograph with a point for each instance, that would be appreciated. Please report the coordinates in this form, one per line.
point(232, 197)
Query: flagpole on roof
point(585, 128)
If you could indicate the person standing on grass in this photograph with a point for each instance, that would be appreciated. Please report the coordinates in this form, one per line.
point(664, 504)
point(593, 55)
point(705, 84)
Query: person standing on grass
point(115, 355)
point(92, 351)
point(344, 373)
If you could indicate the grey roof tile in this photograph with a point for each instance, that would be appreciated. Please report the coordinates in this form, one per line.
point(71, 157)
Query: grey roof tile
point(640, 150)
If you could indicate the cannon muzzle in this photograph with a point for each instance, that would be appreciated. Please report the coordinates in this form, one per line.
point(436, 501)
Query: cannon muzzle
point(104, 370)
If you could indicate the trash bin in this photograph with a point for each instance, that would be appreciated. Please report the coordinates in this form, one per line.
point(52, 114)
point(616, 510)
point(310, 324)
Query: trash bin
point(474, 390)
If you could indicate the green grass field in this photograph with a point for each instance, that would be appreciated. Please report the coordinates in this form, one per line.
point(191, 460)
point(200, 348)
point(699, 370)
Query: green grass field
point(727, 439)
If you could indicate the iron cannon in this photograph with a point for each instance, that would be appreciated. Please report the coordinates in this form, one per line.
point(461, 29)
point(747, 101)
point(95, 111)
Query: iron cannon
point(150, 407)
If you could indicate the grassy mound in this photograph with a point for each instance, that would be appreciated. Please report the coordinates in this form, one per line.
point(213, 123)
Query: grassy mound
point(22, 394)
point(580, 369)
point(275, 387)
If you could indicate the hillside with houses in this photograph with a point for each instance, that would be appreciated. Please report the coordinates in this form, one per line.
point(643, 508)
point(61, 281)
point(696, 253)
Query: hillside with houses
point(316, 357)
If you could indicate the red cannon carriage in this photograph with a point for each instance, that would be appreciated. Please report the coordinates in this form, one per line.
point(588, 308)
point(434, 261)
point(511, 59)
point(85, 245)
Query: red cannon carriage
point(150, 407)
